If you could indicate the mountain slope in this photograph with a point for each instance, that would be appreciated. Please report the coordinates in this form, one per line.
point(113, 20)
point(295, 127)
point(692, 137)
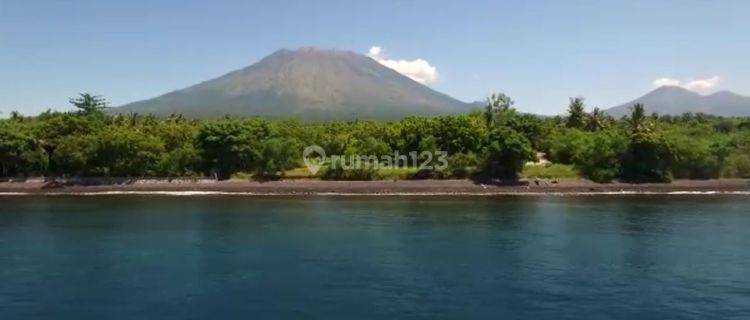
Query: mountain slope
point(675, 101)
point(307, 83)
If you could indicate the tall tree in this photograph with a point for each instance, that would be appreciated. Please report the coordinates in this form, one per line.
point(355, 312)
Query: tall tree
point(597, 120)
point(88, 103)
point(637, 117)
point(497, 104)
point(648, 157)
point(576, 114)
point(16, 116)
point(507, 153)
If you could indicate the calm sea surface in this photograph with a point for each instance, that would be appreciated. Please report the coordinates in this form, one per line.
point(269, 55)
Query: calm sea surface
point(141, 257)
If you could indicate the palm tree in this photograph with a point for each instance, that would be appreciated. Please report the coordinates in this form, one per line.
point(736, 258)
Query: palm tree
point(637, 117)
point(597, 120)
point(576, 113)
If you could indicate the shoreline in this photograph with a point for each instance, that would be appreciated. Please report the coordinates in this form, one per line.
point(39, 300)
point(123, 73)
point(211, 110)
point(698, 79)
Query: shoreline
point(311, 187)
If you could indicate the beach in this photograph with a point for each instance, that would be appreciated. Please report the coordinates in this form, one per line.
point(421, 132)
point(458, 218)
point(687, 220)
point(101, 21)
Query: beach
point(378, 187)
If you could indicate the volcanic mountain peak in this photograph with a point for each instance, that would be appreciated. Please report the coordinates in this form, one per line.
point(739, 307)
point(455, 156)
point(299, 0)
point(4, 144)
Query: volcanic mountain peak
point(308, 83)
point(677, 100)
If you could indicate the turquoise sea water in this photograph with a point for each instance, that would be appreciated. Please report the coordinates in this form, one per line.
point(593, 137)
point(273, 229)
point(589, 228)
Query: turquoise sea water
point(211, 257)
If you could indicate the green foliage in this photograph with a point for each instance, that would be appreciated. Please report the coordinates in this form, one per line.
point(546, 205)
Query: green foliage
point(737, 166)
point(20, 153)
point(699, 153)
point(507, 153)
point(737, 162)
point(232, 145)
point(396, 173)
point(461, 165)
point(345, 170)
point(123, 152)
point(506, 150)
point(184, 160)
point(637, 117)
point(74, 155)
point(576, 114)
point(563, 145)
point(597, 120)
point(409, 133)
point(495, 143)
point(529, 126)
point(459, 134)
point(369, 146)
point(598, 159)
point(497, 105)
point(550, 171)
point(89, 104)
point(276, 156)
point(648, 157)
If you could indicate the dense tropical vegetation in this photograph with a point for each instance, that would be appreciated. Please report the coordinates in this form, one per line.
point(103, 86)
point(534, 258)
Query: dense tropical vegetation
point(497, 142)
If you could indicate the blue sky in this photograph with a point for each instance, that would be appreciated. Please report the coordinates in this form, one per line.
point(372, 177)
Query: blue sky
point(538, 52)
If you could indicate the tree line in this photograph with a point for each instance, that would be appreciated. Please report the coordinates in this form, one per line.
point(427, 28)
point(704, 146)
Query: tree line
point(494, 143)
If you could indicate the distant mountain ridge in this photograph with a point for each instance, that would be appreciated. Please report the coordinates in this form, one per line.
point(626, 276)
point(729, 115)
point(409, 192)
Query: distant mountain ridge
point(676, 100)
point(307, 83)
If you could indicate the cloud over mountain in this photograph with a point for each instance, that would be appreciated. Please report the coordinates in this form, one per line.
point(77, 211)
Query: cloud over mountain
point(666, 82)
point(418, 70)
point(697, 85)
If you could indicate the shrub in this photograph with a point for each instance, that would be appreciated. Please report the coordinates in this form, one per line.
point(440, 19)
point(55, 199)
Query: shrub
point(229, 146)
point(563, 145)
point(276, 156)
point(737, 166)
point(461, 165)
point(599, 159)
point(507, 153)
point(648, 158)
point(549, 171)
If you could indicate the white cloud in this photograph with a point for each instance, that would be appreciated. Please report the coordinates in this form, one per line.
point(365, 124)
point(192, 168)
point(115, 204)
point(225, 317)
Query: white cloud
point(666, 82)
point(702, 84)
point(698, 85)
point(375, 52)
point(418, 69)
